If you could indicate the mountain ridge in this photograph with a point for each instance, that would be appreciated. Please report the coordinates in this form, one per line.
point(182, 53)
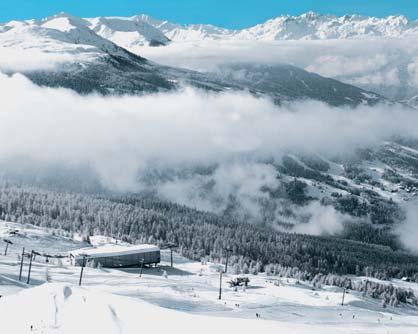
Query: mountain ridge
point(93, 63)
point(309, 25)
point(144, 29)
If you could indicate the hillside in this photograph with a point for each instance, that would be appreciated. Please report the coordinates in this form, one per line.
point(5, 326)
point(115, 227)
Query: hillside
point(366, 197)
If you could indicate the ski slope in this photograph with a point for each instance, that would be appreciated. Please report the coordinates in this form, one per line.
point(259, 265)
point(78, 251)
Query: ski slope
point(183, 299)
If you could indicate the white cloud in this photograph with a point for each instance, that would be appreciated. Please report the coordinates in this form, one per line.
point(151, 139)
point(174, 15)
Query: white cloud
point(335, 65)
point(377, 64)
point(240, 179)
point(408, 230)
point(413, 71)
point(120, 135)
point(122, 138)
point(16, 60)
point(321, 220)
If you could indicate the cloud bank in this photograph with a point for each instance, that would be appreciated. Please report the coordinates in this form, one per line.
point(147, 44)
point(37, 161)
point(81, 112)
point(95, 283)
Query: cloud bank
point(232, 134)
point(119, 135)
point(321, 220)
point(408, 230)
point(388, 68)
point(153, 125)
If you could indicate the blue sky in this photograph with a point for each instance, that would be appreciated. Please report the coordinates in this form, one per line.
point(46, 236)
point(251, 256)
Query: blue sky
point(227, 13)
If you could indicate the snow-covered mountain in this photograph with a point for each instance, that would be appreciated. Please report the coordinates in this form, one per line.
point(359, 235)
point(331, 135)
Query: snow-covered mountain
point(55, 40)
point(63, 51)
point(145, 30)
point(316, 26)
point(317, 43)
point(127, 32)
point(310, 26)
point(88, 55)
point(180, 32)
point(334, 47)
point(63, 38)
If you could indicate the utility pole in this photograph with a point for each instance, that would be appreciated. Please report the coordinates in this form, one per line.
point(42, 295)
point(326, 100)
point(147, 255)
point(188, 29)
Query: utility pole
point(228, 250)
point(30, 266)
point(8, 242)
point(342, 302)
point(171, 246)
point(21, 263)
point(82, 269)
point(220, 284)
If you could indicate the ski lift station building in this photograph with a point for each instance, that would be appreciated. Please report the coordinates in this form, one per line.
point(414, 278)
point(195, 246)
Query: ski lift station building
point(117, 256)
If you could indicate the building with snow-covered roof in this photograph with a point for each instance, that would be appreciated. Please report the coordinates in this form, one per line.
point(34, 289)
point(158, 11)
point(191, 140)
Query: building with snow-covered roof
point(116, 256)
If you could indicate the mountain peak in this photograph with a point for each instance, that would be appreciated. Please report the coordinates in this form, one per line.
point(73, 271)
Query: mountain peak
point(310, 15)
point(64, 22)
point(128, 32)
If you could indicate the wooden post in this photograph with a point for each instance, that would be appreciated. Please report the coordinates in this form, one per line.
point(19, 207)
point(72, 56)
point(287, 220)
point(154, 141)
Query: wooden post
point(21, 264)
point(82, 269)
point(30, 266)
point(171, 246)
point(220, 284)
point(226, 263)
point(228, 250)
point(342, 302)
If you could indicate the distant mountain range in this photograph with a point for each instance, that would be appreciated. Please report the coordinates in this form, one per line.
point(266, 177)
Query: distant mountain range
point(143, 29)
point(374, 54)
point(86, 55)
point(306, 26)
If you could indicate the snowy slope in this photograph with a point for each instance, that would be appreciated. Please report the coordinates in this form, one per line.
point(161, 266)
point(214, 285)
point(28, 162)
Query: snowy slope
point(63, 308)
point(53, 42)
point(79, 31)
point(26, 46)
point(62, 51)
point(115, 301)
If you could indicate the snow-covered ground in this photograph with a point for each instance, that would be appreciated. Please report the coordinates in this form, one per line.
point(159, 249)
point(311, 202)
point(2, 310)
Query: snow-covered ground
point(181, 299)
